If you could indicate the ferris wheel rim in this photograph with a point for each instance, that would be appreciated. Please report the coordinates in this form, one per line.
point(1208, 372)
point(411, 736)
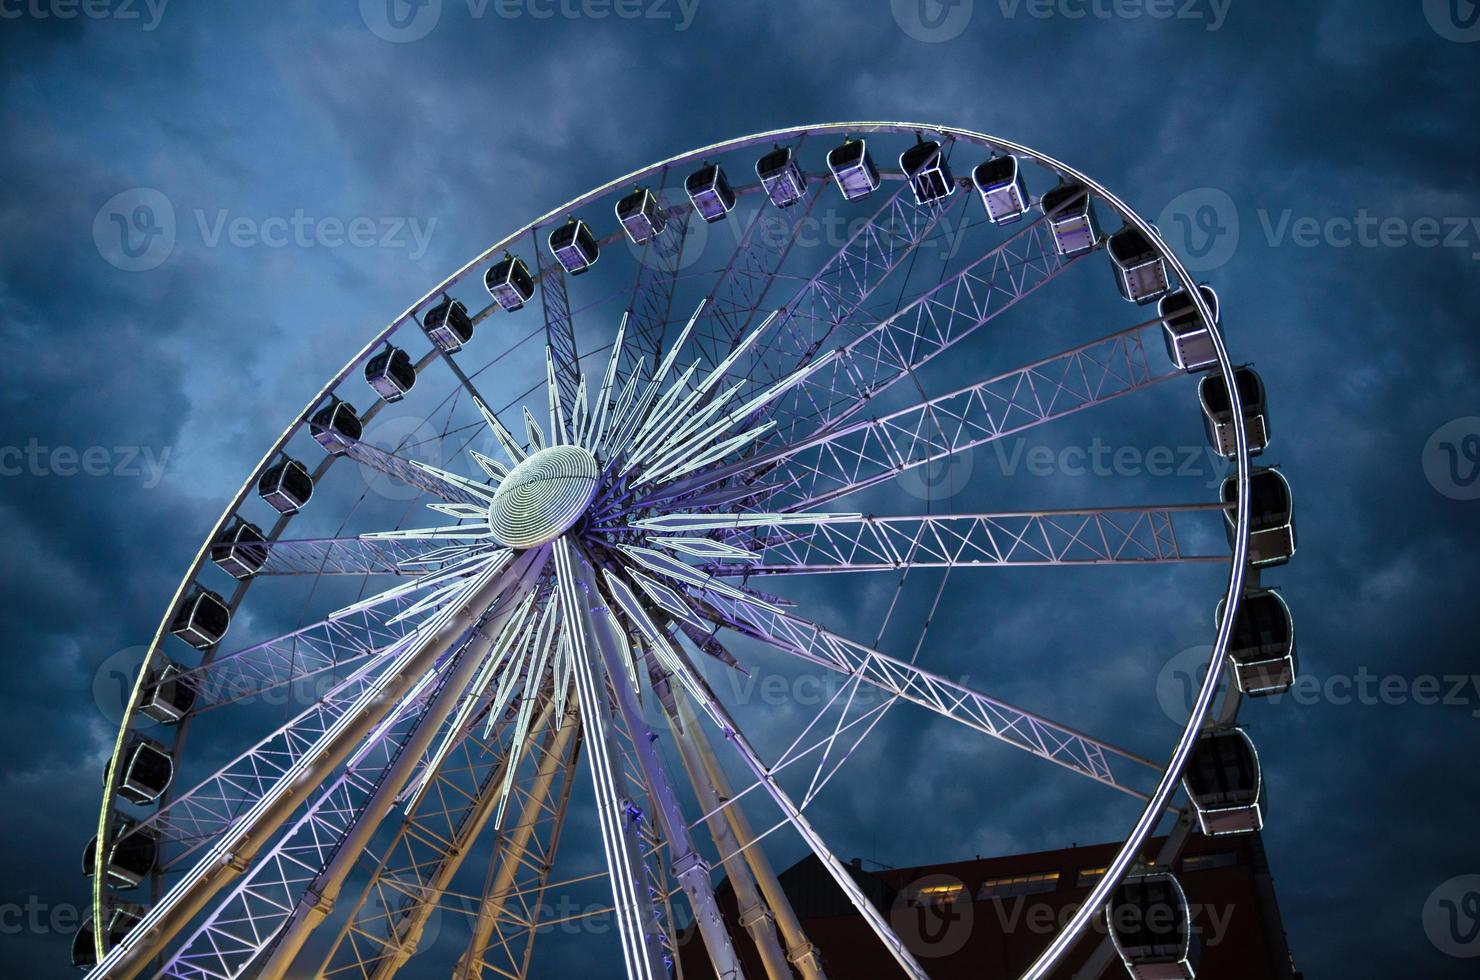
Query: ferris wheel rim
point(1233, 595)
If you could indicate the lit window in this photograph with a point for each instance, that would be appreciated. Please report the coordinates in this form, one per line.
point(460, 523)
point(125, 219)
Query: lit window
point(1089, 876)
point(1205, 862)
point(944, 894)
point(1019, 885)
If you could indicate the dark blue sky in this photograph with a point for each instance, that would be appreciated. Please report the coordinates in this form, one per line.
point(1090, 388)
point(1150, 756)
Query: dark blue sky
point(1318, 163)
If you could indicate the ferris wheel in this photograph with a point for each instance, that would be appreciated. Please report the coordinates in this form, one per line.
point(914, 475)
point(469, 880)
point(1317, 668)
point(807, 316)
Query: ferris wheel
point(485, 594)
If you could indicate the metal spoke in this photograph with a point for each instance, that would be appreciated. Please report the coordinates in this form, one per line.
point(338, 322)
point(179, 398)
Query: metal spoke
point(1021, 729)
point(864, 453)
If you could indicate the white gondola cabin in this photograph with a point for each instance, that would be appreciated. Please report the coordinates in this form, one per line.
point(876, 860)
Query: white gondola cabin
point(853, 169)
point(508, 281)
point(166, 697)
point(145, 771)
point(1003, 190)
point(1271, 516)
point(336, 426)
point(925, 166)
point(710, 192)
point(781, 177)
point(1189, 344)
point(286, 486)
point(1140, 271)
point(641, 216)
point(1225, 784)
point(1217, 408)
point(202, 619)
point(121, 919)
point(448, 325)
point(391, 373)
point(132, 854)
point(1071, 218)
point(1262, 648)
point(1150, 925)
point(574, 246)
point(240, 550)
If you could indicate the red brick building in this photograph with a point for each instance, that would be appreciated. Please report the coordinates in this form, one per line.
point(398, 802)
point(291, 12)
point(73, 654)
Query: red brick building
point(989, 917)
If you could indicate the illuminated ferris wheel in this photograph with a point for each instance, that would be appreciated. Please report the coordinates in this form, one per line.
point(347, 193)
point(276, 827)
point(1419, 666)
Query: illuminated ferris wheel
point(538, 524)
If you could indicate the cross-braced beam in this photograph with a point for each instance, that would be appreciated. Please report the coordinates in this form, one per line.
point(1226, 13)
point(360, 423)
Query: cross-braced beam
point(1112, 535)
point(1033, 733)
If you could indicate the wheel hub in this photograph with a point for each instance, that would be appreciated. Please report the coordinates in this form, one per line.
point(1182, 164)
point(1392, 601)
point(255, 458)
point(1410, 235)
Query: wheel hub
point(543, 497)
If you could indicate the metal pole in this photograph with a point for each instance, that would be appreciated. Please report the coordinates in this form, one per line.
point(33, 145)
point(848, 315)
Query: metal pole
point(237, 851)
point(496, 896)
point(401, 945)
point(799, 949)
point(637, 925)
point(318, 901)
point(689, 868)
point(755, 917)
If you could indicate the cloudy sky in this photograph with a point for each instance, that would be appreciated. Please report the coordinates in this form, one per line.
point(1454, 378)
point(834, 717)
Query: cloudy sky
point(1318, 164)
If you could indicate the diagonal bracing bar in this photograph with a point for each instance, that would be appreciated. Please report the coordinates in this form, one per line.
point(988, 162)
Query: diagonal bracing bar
point(1033, 733)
